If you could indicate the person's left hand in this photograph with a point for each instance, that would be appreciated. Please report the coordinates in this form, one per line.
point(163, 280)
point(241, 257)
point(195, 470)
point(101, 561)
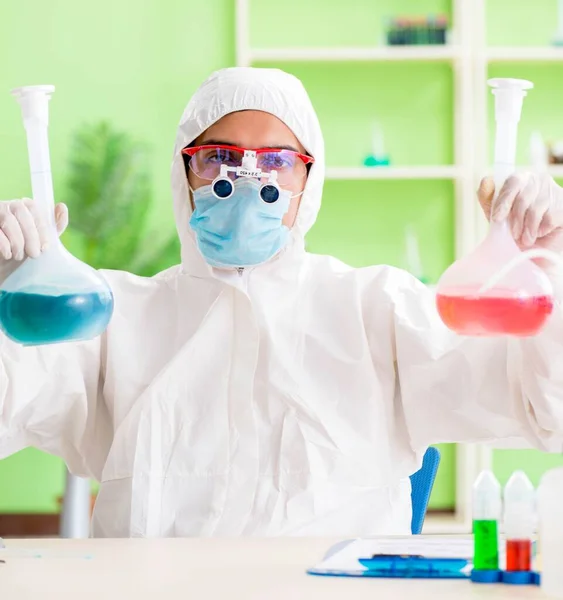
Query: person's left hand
point(533, 205)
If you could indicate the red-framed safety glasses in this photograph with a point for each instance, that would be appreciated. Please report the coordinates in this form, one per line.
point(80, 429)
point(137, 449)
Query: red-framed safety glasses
point(206, 161)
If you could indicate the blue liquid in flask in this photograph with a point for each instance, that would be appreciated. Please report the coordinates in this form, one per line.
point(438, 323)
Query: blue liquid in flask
point(33, 318)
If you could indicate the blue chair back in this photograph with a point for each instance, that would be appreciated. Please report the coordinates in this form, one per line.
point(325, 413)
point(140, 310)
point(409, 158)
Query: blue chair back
point(421, 483)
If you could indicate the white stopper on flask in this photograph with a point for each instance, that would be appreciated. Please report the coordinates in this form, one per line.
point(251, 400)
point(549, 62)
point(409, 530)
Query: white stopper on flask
point(34, 102)
point(509, 96)
point(519, 507)
point(487, 502)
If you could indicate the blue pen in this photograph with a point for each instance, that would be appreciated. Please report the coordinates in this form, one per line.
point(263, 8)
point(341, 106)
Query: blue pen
point(383, 565)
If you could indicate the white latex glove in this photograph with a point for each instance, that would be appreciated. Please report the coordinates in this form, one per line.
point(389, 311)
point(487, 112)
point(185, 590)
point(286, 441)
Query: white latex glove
point(533, 204)
point(22, 231)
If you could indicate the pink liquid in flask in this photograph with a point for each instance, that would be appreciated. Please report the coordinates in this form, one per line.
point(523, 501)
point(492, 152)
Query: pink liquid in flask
point(469, 313)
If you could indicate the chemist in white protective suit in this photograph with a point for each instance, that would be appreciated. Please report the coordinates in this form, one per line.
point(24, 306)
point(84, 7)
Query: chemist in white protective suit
point(257, 389)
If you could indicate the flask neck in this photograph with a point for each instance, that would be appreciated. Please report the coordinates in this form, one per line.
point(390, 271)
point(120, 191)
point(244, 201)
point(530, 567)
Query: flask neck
point(41, 178)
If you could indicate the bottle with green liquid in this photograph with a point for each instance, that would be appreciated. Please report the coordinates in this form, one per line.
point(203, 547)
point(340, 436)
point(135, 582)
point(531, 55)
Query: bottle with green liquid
point(487, 506)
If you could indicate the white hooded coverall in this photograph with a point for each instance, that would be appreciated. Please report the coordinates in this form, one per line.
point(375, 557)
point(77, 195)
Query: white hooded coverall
point(293, 399)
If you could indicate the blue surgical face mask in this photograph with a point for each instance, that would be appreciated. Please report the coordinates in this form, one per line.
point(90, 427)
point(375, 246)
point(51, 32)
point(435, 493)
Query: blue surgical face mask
point(240, 231)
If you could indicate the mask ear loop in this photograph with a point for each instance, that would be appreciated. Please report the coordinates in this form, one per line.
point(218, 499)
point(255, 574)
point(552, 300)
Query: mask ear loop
point(270, 192)
point(186, 160)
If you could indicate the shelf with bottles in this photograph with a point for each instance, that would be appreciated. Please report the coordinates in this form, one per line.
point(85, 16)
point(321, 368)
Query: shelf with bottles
point(378, 164)
point(394, 172)
point(361, 31)
point(525, 54)
point(427, 53)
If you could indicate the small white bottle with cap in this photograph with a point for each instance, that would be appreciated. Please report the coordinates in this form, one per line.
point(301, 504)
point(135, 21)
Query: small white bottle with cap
point(519, 522)
point(486, 514)
point(550, 498)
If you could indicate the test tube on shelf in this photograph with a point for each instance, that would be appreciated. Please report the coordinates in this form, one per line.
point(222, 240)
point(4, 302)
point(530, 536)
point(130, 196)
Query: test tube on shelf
point(411, 31)
point(392, 32)
point(441, 29)
point(422, 31)
point(558, 40)
point(402, 33)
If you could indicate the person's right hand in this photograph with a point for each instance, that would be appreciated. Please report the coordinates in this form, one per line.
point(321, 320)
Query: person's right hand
point(22, 230)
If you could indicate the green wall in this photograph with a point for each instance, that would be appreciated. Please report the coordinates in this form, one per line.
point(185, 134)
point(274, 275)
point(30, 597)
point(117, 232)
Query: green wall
point(388, 206)
point(136, 65)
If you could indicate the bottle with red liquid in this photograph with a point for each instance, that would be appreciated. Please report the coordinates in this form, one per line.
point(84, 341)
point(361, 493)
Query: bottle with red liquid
point(497, 289)
point(519, 522)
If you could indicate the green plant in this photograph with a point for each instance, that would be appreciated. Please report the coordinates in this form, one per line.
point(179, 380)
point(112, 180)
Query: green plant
point(109, 196)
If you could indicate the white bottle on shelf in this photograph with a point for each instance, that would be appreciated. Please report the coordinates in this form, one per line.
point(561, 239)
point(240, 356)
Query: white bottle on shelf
point(550, 496)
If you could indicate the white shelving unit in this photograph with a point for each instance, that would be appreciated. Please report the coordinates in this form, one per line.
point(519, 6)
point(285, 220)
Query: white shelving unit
point(470, 58)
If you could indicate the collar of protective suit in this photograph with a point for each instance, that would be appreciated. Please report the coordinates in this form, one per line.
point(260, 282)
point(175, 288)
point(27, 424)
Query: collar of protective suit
point(245, 88)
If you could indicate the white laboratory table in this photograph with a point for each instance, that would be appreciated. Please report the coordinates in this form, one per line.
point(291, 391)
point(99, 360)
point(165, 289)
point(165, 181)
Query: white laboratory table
point(205, 569)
